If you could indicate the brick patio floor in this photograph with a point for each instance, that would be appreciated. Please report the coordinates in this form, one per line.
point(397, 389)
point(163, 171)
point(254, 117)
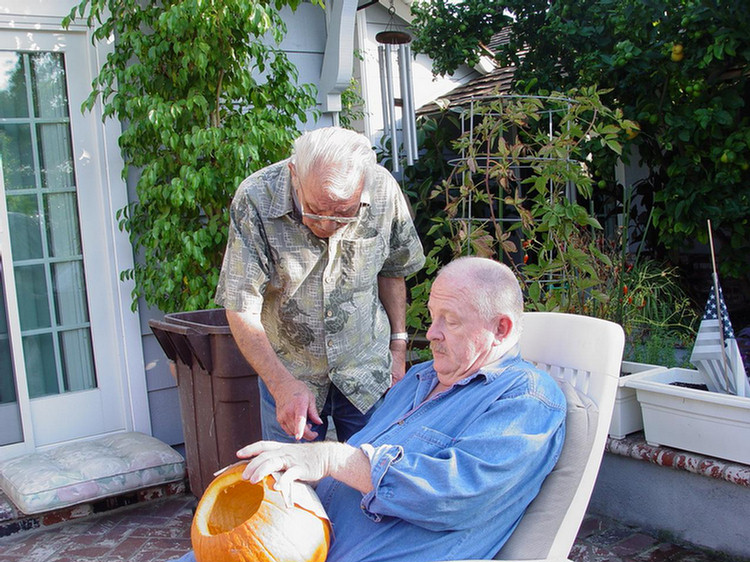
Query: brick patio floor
point(159, 530)
point(146, 532)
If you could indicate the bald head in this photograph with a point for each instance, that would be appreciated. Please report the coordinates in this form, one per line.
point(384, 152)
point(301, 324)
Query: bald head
point(490, 286)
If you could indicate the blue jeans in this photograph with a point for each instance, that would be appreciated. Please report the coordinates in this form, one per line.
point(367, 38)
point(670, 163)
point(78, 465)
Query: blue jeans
point(347, 419)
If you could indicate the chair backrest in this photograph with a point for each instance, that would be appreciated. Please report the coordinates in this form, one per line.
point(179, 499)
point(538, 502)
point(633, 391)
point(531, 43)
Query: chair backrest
point(583, 354)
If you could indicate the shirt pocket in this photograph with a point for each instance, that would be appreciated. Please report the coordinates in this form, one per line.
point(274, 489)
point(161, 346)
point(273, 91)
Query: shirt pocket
point(361, 261)
point(428, 441)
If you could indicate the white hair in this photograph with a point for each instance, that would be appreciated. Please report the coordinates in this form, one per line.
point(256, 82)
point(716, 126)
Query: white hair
point(492, 286)
point(340, 158)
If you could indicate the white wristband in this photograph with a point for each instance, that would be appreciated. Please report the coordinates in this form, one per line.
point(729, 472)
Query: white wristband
point(400, 336)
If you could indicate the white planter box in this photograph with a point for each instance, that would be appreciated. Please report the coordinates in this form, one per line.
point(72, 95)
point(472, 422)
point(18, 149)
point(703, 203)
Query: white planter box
point(704, 422)
point(626, 417)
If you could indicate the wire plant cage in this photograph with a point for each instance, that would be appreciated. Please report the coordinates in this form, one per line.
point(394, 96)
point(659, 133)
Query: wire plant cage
point(513, 152)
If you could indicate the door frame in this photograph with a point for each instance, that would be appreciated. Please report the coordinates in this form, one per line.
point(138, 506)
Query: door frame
point(113, 252)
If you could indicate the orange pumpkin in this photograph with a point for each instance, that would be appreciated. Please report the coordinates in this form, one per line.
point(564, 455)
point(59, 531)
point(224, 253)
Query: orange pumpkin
point(237, 521)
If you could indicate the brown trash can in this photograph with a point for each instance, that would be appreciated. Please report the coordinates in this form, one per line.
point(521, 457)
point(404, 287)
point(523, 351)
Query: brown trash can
point(217, 388)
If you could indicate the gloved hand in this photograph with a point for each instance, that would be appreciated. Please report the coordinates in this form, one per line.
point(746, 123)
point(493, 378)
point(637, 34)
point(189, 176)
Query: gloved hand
point(306, 462)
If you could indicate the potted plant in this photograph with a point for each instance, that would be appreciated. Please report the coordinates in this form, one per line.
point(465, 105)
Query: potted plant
point(654, 351)
point(626, 417)
point(512, 193)
point(658, 317)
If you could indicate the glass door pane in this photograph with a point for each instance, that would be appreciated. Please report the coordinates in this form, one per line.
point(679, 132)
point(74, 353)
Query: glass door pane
point(10, 413)
point(42, 204)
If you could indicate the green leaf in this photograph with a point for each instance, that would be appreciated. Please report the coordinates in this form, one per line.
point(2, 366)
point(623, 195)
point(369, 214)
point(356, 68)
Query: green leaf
point(199, 118)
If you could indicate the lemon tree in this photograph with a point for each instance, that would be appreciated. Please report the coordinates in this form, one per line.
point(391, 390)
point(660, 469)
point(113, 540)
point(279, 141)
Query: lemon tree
point(678, 68)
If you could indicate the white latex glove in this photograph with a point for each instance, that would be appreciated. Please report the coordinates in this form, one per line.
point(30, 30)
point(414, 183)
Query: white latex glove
point(306, 462)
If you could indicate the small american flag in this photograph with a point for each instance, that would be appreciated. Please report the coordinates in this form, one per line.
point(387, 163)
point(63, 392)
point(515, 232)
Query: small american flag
point(707, 353)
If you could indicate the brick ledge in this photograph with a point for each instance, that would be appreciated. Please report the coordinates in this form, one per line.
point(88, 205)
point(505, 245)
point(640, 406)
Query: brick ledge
point(635, 446)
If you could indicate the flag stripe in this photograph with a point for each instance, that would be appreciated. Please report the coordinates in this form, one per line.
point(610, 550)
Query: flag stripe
point(710, 353)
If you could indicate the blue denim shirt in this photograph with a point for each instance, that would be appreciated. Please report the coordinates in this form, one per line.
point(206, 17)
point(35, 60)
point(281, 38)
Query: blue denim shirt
point(452, 476)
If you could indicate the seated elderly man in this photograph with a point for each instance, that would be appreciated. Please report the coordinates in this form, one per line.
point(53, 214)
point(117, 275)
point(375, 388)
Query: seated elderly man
point(447, 465)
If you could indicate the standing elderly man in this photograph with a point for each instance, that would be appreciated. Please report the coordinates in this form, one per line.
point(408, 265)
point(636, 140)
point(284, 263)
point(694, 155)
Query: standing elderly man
point(446, 467)
point(313, 284)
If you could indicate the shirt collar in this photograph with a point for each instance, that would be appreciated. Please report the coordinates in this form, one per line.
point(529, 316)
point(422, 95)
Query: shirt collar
point(281, 198)
point(490, 372)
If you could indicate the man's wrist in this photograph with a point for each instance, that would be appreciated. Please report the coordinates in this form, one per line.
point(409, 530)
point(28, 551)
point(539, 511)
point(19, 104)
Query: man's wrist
point(349, 465)
point(400, 345)
point(281, 380)
point(403, 336)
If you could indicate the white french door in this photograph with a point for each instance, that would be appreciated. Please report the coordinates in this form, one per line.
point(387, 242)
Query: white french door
point(61, 367)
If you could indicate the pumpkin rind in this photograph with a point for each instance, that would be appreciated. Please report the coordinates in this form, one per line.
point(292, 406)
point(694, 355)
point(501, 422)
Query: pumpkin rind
point(272, 533)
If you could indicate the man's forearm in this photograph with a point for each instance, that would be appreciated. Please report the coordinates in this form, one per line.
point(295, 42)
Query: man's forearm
point(352, 467)
point(252, 341)
point(296, 410)
point(392, 293)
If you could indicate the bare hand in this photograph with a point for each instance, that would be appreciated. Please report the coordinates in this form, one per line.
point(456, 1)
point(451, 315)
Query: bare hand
point(295, 405)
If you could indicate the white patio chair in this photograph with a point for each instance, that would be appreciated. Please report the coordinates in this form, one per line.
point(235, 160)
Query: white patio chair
point(583, 354)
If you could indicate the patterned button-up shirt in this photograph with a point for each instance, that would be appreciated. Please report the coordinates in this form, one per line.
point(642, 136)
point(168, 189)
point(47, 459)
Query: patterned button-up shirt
point(318, 298)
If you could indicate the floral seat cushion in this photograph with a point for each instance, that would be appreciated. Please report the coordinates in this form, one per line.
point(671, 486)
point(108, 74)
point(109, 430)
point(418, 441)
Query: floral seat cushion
point(89, 470)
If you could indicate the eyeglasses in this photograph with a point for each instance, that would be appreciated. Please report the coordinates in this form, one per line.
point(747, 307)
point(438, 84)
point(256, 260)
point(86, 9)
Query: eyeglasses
point(314, 217)
point(340, 220)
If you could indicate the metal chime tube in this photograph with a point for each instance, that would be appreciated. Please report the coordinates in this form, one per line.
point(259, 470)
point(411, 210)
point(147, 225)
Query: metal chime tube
point(391, 106)
point(384, 88)
point(412, 117)
point(406, 105)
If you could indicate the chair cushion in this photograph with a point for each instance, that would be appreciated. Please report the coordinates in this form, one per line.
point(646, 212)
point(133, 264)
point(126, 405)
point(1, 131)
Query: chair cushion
point(533, 537)
point(84, 471)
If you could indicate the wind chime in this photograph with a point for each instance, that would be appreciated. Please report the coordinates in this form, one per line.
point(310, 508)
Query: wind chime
point(392, 41)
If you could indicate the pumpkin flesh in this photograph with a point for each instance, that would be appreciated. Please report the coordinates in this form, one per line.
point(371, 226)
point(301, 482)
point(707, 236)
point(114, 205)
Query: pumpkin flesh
point(237, 521)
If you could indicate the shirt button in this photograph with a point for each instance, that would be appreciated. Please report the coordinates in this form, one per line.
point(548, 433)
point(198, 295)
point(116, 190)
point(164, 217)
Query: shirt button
point(329, 313)
point(330, 343)
point(400, 422)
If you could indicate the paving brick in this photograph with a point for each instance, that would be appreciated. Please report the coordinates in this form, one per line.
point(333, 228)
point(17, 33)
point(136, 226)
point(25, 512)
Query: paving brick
point(159, 531)
point(635, 543)
point(591, 524)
